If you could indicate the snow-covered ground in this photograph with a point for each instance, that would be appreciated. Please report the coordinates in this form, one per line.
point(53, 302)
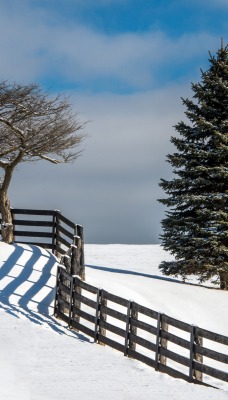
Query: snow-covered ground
point(40, 359)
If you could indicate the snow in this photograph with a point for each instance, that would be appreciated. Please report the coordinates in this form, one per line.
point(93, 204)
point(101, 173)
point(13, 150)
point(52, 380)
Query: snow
point(42, 359)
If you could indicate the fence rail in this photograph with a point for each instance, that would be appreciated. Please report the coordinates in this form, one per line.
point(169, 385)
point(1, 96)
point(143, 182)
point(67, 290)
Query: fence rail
point(57, 232)
point(60, 235)
point(156, 339)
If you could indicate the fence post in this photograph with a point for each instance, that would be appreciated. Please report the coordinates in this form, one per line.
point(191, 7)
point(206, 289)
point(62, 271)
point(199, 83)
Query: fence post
point(74, 258)
point(13, 218)
point(67, 263)
point(58, 292)
point(75, 261)
point(57, 233)
point(133, 329)
point(53, 233)
point(81, 251)
point(198, 375)
point(103, 316)
point(78, 265)
point(57, 289)
point(97, 315)
point(160, 342)
point(191, 355)
point(71, 302)
point(76, 302)
point(164, 342)
point(129, 307)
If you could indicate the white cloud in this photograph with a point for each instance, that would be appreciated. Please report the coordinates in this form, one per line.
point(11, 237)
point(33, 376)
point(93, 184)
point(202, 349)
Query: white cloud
point(33, 47)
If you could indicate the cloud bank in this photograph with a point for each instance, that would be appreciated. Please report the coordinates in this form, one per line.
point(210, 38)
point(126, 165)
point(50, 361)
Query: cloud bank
point(128, 85)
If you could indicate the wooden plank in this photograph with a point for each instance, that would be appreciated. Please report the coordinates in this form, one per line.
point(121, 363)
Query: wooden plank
point(63, 302)
point(86, 286)
point(33, 234)
point(64, 231)
point(66, 275)
point(66, 221)
point(140, 357)
point(173, 372)
point(82, 328)
point(215, 355)
point(32, 212)
point(115, 299)
point(85, 300)
point(143, 325)
point(112, 328)
point(215, 337)
point(84, 315)
point(215, 373)
point(59, 249)
point(61, 315)
point(43, 245)
point(175, 339)
point(174, 356)
point(113, 313)
point(142, 342)
point(63, 241)
point(176, 323)
point(32, 223)
point(64, 288)
point(144, 310)
point(111, 343)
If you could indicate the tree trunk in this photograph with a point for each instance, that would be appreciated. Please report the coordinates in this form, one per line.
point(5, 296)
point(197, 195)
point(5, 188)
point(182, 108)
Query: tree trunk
point(7, 221)
point(223, 280)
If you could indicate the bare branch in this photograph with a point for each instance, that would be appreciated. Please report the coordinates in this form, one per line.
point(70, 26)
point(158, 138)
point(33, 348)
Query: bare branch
point(52, 160)
point(11, 126)
point(43, 127)
point(34, 127)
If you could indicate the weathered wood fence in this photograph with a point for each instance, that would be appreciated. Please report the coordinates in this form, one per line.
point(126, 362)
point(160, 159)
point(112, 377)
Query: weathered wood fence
point(162, 342)
point(57, 232)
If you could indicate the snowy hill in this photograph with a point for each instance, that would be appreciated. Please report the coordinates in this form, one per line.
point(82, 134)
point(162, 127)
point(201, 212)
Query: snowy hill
point(42, 359)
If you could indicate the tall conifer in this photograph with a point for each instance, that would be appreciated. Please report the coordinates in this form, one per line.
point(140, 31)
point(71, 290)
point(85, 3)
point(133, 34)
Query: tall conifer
point(195, 229)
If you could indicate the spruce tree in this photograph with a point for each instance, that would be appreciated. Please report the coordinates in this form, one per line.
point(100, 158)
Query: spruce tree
point(195, 229)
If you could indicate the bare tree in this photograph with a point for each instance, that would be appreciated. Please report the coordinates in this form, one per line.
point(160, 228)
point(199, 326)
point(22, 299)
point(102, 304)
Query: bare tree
point(33, 127)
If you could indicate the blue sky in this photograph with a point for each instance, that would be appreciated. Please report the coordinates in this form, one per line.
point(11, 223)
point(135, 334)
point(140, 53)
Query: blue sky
point(125, 65)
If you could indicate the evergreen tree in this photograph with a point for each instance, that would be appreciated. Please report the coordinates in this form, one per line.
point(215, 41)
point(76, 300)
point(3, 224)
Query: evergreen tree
point(195, 229)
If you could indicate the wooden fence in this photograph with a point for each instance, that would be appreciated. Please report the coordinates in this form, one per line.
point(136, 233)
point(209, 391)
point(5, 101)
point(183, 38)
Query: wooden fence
point(57, 232)
point(162, 342)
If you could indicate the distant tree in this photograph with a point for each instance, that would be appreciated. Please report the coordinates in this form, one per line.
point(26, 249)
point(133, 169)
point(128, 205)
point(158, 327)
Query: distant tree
point(33, 127)
point(195, 229)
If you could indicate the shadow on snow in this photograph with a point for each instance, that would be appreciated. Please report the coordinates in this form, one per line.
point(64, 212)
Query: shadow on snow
point(25, 301)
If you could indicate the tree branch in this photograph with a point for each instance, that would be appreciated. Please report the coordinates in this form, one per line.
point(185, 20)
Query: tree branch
point(52, 160)
point(11, 126)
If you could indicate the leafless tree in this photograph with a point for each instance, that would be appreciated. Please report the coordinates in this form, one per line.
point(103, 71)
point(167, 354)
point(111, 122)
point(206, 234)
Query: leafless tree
point(33, 127)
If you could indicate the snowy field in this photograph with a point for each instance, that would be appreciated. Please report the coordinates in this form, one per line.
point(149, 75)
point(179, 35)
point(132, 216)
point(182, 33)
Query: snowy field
point(40, 359)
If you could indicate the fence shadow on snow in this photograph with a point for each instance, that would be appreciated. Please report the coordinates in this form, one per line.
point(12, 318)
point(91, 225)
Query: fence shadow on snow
point(164, 343)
